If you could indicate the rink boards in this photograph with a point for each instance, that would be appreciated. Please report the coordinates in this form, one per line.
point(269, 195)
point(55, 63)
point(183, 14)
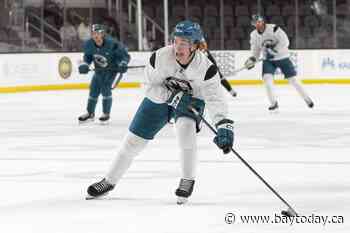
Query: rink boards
point(56, 71)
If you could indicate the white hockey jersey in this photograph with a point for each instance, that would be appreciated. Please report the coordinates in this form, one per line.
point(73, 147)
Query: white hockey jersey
point(272, 34)
point(163, 64)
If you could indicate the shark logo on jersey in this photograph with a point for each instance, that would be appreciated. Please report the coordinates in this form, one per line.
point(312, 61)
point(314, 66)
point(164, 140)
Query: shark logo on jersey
point(268, 42)
point(100, 60)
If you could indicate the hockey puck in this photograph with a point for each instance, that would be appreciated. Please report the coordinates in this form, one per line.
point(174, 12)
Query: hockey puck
point(287, 213)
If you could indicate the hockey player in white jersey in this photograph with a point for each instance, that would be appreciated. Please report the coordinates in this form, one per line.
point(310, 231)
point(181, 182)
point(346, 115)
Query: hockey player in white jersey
point(273, 43)
point(177, 76)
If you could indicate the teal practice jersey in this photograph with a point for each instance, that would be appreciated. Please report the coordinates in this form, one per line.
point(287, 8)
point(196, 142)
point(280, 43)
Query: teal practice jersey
point(108, 56)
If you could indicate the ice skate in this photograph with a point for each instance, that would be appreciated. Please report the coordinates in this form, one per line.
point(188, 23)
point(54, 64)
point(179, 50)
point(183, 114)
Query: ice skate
point(274, 107)
point(184, 190)
point(99, 189)
point(104, 119)
point(87, 117)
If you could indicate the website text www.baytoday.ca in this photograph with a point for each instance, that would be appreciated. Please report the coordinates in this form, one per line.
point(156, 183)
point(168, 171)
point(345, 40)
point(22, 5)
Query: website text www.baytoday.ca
point(231, 218)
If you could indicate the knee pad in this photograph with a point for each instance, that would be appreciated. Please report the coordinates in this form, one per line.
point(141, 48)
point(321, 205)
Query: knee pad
point(106, 91)
point(107, 97)
point(92, 98)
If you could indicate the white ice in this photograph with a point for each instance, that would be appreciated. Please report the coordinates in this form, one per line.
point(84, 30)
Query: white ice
point(47, 161)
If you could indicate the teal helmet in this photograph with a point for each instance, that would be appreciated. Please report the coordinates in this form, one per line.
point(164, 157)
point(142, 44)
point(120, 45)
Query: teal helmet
point(257, 18)
point(98, 28)
point(188, 30)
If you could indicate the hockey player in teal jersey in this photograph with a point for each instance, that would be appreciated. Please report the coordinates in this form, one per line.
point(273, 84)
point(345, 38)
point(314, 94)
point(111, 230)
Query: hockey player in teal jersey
point(110, 58)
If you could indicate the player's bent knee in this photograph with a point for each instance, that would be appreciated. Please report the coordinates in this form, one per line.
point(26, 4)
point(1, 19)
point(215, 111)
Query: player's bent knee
point(292, 80)
point(267, 77)
point(107, 92)
point(186, 133)
point(133, 144)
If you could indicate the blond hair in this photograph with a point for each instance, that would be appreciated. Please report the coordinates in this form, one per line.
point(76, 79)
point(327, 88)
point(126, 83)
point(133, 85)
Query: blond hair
point(203, 46)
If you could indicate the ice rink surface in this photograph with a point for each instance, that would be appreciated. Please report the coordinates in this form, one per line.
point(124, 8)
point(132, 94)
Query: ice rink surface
point(47, 161)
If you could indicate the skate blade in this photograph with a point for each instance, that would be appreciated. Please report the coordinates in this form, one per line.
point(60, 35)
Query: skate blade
point(181, 200)
point(104, 122)
point(88, 197)
point(274, 111)
point(86, 122)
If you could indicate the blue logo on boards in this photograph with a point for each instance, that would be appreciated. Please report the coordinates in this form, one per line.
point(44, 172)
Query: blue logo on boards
point(330, 63)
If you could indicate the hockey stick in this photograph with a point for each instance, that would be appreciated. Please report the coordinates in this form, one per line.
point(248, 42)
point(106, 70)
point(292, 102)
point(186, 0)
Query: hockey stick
point(290, 212)
point(117, 81)
point(244, 67)
point(115, 69)
point(136, 67)
point(108, 69)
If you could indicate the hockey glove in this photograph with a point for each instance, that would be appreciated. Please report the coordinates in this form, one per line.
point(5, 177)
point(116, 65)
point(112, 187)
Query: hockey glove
point(250, 63)
point(225, 136)
point(176, 84)
point(122, 67)
point(180, 101)
point(84, 68)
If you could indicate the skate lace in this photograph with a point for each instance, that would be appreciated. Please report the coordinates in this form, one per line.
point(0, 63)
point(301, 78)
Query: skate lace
point(185, 184)
point(102, 186)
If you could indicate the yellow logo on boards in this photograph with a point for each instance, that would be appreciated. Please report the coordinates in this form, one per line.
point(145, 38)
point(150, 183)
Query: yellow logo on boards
point(65, 67)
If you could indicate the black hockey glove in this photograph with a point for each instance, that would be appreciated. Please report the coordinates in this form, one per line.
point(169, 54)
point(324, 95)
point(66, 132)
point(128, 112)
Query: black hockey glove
point(180, 101)
point(84, 68)
point(250, 63)
point(174, 84)
point(181, 94)
point(225, 136)
point(122, 67)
